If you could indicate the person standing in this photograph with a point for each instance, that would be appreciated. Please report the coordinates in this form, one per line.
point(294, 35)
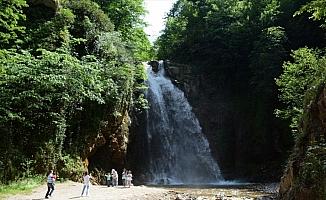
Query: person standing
point(114, 177)
point(124, 177)
point(50, 184)
point(129, 178)
point(86, 178)
point(108, 179)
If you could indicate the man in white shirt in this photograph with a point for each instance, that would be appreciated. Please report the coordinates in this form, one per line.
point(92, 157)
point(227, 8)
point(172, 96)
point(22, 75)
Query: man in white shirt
point(86, 178)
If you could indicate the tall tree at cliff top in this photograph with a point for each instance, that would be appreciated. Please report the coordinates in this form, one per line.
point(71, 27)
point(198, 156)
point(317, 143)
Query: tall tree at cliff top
point(127, 17)
point(69, 73)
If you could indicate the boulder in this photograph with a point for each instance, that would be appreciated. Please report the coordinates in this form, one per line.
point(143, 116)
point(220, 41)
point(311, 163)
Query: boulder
point(154, 64)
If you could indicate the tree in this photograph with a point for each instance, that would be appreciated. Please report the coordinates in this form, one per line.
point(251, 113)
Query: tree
point(125, 14)
point(299, 79)
point(316, 8)
point(11, 14)
point(72, 75)
point(127, 17)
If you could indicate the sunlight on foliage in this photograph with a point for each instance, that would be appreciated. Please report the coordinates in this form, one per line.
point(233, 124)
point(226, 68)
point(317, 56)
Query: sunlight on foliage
point(304, 74)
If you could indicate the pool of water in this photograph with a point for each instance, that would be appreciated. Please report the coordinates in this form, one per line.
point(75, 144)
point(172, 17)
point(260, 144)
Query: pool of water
point(227, 190)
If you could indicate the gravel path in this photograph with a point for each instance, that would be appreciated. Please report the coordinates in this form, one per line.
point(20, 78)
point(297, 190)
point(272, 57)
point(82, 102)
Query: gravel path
point(71, 190)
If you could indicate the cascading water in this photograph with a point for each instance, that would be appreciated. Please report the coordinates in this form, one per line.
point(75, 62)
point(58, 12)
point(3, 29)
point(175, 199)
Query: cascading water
point(178, 151)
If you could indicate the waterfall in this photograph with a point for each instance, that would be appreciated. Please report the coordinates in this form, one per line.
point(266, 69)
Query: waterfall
point(179, 153)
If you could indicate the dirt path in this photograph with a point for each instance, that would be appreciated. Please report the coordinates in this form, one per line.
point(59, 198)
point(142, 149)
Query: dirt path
point(72, 190)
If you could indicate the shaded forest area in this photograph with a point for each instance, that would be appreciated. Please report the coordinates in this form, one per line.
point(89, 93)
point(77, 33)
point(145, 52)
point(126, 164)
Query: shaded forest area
point(254, 70)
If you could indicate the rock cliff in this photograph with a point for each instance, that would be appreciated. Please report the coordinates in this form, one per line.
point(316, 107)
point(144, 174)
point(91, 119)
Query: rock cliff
point(245, 137)
point(109, 148)
point(305, 174)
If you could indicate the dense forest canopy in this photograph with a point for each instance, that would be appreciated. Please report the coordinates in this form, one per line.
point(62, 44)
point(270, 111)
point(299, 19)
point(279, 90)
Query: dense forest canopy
point(65, 70)
point(256, 37)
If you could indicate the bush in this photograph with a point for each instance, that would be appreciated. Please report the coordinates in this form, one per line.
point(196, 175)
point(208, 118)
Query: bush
point(70, 167)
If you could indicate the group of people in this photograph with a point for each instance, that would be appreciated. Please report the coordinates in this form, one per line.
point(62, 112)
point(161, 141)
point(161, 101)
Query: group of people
point(111, 178)
point(126, 178)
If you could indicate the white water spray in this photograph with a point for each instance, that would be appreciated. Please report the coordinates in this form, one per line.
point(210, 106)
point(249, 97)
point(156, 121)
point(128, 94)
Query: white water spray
point(179, 153)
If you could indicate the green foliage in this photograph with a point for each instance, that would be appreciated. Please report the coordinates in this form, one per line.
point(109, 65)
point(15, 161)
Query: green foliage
point(11, 14)
point(266, 57)
point(72, 73)
point(238, 48)
point(127, 17)
point(38, 94)
point(46, 157)
point(316, 8)
point(223, 32)
point(87, 12)
point(21, 186)
point(305, 73)
point(140, 102)
point(175, 28)
point(141, 47)
point(90, 22)
point(12, 163)
point(70, 167)
point(110, 46)
point(39, 97)
point(49, 33)
point(313, 167)
point(270, 12)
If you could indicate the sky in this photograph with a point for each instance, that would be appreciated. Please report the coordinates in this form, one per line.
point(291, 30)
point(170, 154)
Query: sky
point(157, 10)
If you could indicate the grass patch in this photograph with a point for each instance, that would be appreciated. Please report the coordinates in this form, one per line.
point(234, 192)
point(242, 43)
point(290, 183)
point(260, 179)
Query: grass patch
point(20, 186)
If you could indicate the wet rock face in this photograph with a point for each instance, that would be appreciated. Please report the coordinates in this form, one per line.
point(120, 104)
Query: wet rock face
point(154, 64)
point(287, 180)
point(112, 151)
point(228, 118)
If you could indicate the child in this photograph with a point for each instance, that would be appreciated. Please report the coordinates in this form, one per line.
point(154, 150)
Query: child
point(87, 183)
point(108, 179)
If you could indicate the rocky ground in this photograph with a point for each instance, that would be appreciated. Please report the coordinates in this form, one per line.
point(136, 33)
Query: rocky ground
point(226, 192)
point(72, 190)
